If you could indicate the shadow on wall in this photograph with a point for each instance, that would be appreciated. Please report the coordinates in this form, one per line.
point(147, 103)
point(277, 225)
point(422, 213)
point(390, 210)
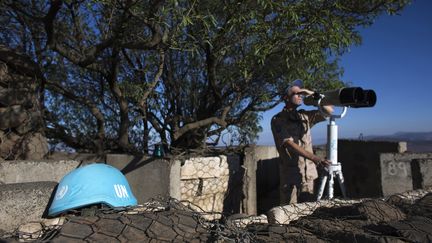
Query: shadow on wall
point(267, 177)
point(136, 163)
point(233, 198)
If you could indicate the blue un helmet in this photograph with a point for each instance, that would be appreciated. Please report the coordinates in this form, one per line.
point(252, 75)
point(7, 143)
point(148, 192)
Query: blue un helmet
point(92, 184)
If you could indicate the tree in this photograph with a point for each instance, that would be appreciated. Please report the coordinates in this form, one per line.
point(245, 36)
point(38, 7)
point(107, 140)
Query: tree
point(120, 75)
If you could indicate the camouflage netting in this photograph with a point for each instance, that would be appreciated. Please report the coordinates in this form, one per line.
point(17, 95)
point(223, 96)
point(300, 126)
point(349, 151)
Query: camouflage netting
point(400, 218)
point(21, 122)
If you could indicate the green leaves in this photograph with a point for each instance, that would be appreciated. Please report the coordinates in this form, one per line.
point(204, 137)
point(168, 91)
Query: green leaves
point(225, 60)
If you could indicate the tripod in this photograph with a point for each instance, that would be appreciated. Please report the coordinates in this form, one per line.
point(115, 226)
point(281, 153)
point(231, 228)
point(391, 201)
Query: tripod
point(335, 169)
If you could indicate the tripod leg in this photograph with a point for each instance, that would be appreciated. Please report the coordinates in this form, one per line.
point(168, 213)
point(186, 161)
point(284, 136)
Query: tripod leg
point(330, 185)
point(340, 179)
point(323, 181)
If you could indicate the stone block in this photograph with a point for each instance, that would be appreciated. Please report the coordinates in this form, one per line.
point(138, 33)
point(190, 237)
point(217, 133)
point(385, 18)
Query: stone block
point(204, 167)
point(402, 147)
point(422, 173)
point(417, 169)
point(23, 202)
point(396, 176)
point(20, 171)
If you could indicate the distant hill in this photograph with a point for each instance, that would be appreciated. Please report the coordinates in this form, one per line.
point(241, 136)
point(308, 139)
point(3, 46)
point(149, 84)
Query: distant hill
point(416, 141)
point(404, 136)
point(419, 142)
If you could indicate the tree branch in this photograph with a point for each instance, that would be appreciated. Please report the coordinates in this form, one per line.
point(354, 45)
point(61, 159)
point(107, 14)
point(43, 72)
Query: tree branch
point(202, 123)
point(155, 80)
point(100, 119)
point(123, 138)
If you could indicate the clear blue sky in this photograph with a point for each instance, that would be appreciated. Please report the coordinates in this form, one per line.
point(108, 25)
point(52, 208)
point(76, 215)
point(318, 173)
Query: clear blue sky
point(395, 60)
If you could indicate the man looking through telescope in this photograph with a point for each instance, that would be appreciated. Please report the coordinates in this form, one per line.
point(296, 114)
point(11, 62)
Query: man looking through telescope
point(292, 136)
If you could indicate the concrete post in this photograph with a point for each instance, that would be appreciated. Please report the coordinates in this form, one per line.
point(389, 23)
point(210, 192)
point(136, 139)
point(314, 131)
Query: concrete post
point(262, 162)
point(249, 203)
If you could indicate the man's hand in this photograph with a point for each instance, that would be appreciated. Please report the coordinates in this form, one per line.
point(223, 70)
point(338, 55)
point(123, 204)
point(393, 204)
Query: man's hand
point(325, 162)
point(305, 92)
point(321, 162)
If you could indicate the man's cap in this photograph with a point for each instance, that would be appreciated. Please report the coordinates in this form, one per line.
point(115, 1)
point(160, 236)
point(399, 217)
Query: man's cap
point(297, 82)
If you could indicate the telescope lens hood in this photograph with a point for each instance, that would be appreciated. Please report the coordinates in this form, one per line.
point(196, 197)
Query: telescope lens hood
point(369, 99)
point(351, 96)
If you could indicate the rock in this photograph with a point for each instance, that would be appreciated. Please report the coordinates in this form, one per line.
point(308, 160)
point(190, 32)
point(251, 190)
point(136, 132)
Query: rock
point(35, 147)
point(30, 231)
point(246, 220)
point(377, 211)
point(288, 213)
point(53, 223)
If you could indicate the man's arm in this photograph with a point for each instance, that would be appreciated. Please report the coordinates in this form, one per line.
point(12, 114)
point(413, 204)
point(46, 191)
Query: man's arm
point(302, 152)
point(328, 109)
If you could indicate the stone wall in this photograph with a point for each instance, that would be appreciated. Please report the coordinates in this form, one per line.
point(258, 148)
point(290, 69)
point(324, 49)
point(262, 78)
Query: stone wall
point(246, 183)
point(21, 122)
point(213, 184)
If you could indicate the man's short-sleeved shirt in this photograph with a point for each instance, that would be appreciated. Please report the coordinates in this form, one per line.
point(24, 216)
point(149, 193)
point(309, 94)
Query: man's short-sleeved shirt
point(296, 126)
